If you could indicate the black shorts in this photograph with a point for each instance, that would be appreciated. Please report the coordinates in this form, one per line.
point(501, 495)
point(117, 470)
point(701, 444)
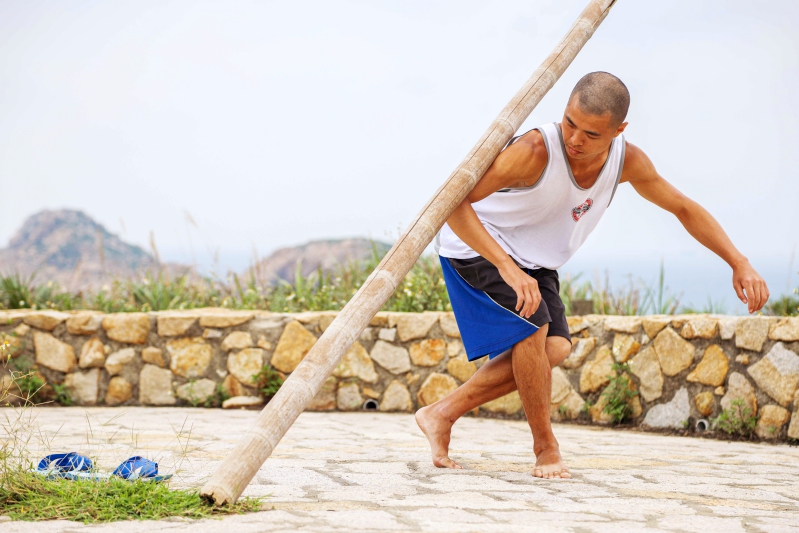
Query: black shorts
point(482, 275)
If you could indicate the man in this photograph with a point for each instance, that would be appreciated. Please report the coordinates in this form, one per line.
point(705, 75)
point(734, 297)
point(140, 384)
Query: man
point(525, 218)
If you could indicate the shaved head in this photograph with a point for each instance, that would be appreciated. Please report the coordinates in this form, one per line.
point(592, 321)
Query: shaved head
point(599, 93)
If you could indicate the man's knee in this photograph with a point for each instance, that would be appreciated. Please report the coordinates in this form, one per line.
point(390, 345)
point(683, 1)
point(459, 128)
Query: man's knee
point(558, 349)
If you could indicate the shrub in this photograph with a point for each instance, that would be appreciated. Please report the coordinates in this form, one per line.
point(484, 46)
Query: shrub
point(269, 381)
point(619, 394)
point(738, 419)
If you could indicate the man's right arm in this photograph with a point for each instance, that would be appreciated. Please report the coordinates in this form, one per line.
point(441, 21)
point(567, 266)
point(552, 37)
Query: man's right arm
point(519, 165)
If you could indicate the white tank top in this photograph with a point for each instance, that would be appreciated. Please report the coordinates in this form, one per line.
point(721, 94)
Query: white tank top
point(543, 225)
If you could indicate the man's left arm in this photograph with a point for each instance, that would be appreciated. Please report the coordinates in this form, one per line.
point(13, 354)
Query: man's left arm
point(641, 173)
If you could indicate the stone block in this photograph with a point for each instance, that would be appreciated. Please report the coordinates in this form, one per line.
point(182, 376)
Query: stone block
point(435, 387)
point(120, 390)
point(189, 357)
point(224, 320)
point(325, 399)
point(624, 347)
point(13, 344)
point(623, 324)
point(793, 429)
point(751, 333)
point(646, 367)
point(461, 368)
point(237, 340)
point(155, 386)
point(83, 386)
point(243, 402)
point(174, 325)
point(455, 348)
point(211, 333)
point(117, 360)
point(700, 328)
point(569, 408)
point(233, 387)
point(294, 344)
point(387, 334)
point(510, 404)
point(777, 374)
point(245, 364)
point(348, 397)
point(771, 420)
point(411, 326)
point(449, 325)
point(197, 392)
point(45, 320)
point(580, 351)
point(739, 388)
point(356, 363)
point(727, 328)
point(370, 393)
point(397, 397)
point(672, 414)
point(153, 356)
point(674, 353)
point(743, 358)
point(263, 343)
point(52, 353)
point(92, 354)
point(561, 387)
point(428, 352)
point(85, 323)
point(653, 325)
point(712, 369)
point(395, 359)
point(576, 324)
point(380, 320)
point(786, 329)
point(705, 402)
point(367, 335)
point(128, 328)
point(597, 372)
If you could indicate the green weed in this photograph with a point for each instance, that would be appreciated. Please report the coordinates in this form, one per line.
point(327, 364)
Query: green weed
point(738, 419)
point(269, 381)
point(619, 394)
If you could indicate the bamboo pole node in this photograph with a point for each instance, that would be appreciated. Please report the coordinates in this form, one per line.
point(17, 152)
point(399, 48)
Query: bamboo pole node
point(244, 460)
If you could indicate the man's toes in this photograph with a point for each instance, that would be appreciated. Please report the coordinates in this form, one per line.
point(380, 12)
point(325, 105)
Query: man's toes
point(566, 474)
point(538, 473)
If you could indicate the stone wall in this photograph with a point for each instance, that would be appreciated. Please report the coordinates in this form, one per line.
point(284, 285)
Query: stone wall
point(685, 368)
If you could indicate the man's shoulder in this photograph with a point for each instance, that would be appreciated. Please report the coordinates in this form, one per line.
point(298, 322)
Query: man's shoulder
point(636, 163)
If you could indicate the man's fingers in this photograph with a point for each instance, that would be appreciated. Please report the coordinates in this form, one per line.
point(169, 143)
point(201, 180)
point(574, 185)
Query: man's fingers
point(739, 290)
point(528, 302)
point(751, 296)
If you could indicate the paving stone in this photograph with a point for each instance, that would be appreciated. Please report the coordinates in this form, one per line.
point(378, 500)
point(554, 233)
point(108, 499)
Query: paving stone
point(348, 397)
point(771, 420)
point(197, 392)
point(189, 357)
point(624, 347)
point(646, 367)
point(294, 344)
point(82, 386)
point(92, 354)
point(428, 352)
point(120, 390)
point(700, 328)
point(580, 351)
point(45, 320)
point(356, 363)
point(712, 369)
point(117, 360)
point(395, 359)
point(245, 364)
point(786, 329)
point(411, 326)
point(84, 323)
point(154, 356)
point(777, 374)
point(461, 368)
point(510, 404)
point(174, 325)
point(52, 353)
point(674, 353)
point(596, 373)
point(751, 333)
point(396, 398)
point(237, 340)
point(738, 387)
point(449, 325)
point(129, 328)
point(155, 386)
point(654, 325)
point(435, 387)
point(672, 414)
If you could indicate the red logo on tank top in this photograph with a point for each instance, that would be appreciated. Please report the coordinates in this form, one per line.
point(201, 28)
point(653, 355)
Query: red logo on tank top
point(582, 209)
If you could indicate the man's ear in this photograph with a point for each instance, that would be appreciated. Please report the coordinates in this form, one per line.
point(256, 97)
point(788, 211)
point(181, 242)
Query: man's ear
point(620, 129)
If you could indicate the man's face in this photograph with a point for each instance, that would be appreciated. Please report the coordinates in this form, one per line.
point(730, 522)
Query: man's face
point(587, 136)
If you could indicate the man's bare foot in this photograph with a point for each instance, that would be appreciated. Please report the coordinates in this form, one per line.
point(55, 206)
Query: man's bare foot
point(437, 430)
point(549, 465)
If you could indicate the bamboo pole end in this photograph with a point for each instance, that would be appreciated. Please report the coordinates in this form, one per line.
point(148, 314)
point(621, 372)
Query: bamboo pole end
point(217, 495)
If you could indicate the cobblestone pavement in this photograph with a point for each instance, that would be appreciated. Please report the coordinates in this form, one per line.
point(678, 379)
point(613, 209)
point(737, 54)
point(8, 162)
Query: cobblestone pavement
point(372, 472)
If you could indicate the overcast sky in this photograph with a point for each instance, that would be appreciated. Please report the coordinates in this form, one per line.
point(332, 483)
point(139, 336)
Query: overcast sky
point(275, 123)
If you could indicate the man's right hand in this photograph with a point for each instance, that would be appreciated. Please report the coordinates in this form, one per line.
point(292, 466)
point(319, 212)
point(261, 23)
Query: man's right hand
point(528, 297)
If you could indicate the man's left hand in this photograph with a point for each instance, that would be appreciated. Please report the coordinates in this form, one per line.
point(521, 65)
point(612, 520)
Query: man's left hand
point(750, 287)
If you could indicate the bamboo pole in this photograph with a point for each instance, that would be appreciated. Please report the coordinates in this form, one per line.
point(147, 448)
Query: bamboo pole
point(243, 462)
